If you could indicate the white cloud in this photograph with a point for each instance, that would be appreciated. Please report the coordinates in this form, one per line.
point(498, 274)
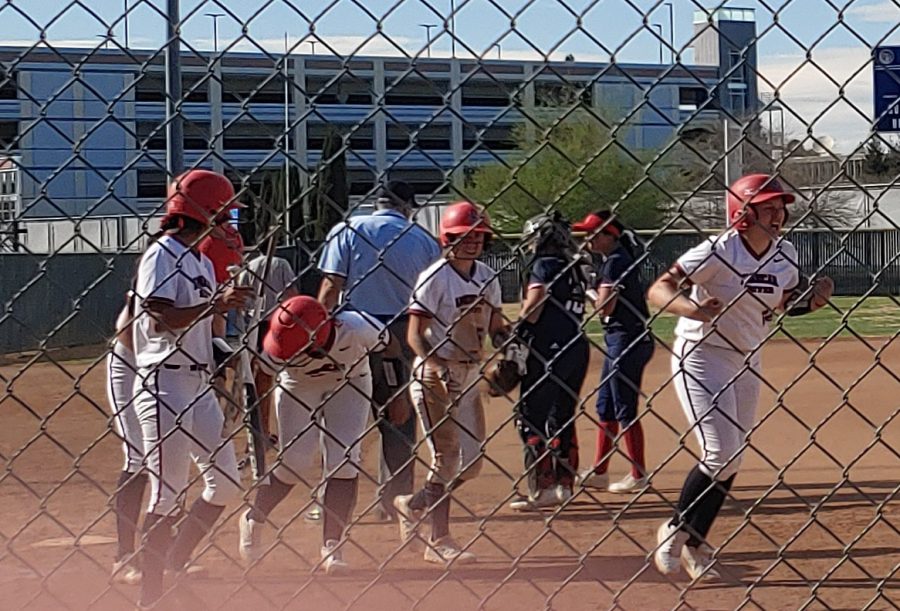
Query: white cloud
point(808, 88)
point(880, 12)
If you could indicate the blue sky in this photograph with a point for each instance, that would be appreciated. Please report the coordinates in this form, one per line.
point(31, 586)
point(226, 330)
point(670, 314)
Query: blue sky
point(840, 51)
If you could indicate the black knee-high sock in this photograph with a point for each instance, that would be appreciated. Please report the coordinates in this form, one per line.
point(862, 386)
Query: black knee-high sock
point(129, 498)
point(419, 501)
point(706, 511)
point(700, 496)
point(199, 521)
point(339, 501)
point(268, 497)
point(156, 542)
point(440, 510)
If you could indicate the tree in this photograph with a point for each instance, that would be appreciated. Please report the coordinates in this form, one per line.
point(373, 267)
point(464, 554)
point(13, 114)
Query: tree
point(331, 197)
point(269, 208)
point(572, 165)
point(875, 160)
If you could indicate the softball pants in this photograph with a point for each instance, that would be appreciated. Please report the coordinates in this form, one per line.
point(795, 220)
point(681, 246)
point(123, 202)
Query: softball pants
point(182, 422)
point(452, 416)
point(719, 391)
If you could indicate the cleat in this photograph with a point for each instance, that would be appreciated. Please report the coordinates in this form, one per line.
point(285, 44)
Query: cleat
point(670, 541)
point(545, 498)
point(446, 551)
point(628, 485)
point(699, 562)
point(250, 538)
point(590, 479)
point(332, 559)
point(407, 520)
point(126, 573)
point(563, 494)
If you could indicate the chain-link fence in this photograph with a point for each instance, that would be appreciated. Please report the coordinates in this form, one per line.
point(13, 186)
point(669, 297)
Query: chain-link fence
point(429, 420)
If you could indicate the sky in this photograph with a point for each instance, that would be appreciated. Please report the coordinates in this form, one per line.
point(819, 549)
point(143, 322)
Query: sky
point(815, 53)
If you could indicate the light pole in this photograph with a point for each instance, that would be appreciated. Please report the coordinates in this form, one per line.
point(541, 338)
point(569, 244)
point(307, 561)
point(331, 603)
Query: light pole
point(215, 98)
point(452, 28)
point(215, 20)
point(659, 29)
point(126, 24)
point(312, 43)
point(499, 55)
point(671, 29)
point(105, 38)
point(427, 27)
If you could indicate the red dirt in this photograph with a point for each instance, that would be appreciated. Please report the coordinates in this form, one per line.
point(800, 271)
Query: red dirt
point(815, 517)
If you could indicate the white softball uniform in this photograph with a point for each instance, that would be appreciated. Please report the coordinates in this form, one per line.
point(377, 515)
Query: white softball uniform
point(717, 365)
point(751, 287)
point(449, 402)
point(326, 401)
point(459, 308)
point(180, 418)
point(120, 375)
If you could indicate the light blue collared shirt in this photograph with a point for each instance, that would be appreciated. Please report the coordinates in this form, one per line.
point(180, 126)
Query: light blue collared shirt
point(380, 256)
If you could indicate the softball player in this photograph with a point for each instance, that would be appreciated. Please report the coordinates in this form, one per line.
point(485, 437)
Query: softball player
point(322, 398)
point(726, 292)
point(629, 346)
point(454, 306)
point(175, 294)
point(120, 374)
point(558, 356)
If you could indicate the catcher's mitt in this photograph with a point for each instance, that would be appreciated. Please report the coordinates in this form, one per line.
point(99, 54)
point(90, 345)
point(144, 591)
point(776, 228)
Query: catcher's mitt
point(505, 373)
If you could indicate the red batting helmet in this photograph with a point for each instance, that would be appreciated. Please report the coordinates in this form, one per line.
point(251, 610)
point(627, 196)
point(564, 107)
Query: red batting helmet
point(201, 195)
point(223, 251)
point(299, 324)
point(462, 218)
point(751, 190)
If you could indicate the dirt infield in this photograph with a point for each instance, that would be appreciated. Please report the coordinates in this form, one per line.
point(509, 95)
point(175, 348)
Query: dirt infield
point(815, 518)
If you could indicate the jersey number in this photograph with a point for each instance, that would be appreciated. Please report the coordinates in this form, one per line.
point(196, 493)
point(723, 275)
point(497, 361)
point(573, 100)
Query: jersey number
point(575, 306)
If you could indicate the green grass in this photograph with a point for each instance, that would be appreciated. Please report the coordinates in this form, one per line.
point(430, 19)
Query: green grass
point(870, 317)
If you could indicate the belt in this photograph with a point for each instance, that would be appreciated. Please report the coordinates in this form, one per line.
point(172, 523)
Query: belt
point(199, 367)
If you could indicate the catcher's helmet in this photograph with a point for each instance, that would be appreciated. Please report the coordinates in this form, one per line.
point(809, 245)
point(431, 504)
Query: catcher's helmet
point(751, 190)
point(224, 251)
point(300, 324)
point(548, 233)
point(462, 218)
point(201, 195)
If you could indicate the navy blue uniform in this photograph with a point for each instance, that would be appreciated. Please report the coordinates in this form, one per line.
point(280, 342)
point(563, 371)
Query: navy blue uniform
point(629, 345)
point(556, 367)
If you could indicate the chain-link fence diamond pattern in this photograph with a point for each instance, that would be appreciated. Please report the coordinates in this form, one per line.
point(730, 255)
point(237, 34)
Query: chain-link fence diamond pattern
point(322, 116)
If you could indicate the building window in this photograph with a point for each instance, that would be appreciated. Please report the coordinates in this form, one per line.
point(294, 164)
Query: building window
point(478, 92)
point(151, 87)
point(416, 92)
point(494, 138)
point(256, 89)
point(348, 89)
point(428, 137)
point(9, 86)
point(9, 135)
point(151, 184)
point(737, 99)
point(361, 136)
point(152, 135)
point(692, 98)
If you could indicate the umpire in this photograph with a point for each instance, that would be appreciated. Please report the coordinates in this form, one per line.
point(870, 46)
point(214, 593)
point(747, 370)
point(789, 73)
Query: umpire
point(370, 264)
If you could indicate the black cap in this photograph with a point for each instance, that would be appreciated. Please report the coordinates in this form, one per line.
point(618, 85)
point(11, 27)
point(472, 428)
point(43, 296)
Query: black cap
point(399, 192)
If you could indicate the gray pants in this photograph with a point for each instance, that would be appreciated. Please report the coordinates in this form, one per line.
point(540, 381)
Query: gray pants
point(398, 443)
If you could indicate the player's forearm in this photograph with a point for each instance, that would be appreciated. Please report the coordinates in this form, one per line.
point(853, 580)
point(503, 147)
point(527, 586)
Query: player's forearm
point(330, 291)
point(415, 337)
point(667, 296)
point(533, 304)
